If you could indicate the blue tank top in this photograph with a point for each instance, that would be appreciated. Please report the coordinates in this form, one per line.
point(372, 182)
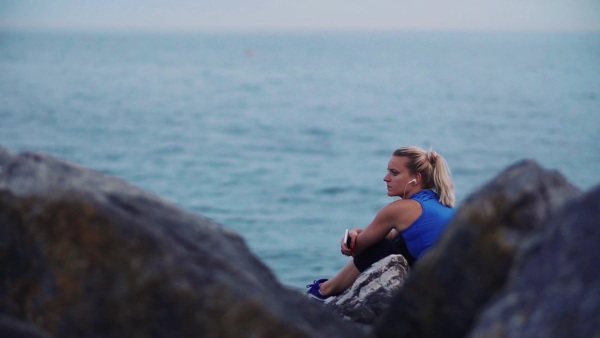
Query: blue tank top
point(426, 230)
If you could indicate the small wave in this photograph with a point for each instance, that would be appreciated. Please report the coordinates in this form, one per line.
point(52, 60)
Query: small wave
point(333, 190)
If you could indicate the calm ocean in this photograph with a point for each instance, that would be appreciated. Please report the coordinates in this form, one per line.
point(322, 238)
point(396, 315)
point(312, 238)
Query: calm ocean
point(285, 137)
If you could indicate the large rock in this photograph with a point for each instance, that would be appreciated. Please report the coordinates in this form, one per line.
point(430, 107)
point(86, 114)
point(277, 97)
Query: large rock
point(451, 284)
point(555, 288)
point(84, 254)
point(372, 292)
point(14, 328)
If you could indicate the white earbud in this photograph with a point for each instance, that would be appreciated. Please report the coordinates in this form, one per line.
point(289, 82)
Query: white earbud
point(414, 180)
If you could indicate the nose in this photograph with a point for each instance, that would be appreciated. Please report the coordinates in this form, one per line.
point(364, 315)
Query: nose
point(386, 178)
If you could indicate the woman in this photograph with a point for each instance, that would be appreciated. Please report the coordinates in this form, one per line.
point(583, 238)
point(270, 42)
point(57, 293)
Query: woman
point(408, 226)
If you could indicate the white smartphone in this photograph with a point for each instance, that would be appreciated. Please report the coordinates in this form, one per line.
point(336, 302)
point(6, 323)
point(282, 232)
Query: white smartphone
point(347, 239)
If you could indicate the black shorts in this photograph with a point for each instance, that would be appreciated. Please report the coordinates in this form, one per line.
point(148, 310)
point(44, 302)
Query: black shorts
point(382, 249)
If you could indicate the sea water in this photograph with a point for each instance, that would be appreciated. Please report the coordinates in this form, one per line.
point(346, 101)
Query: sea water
point(285, 137)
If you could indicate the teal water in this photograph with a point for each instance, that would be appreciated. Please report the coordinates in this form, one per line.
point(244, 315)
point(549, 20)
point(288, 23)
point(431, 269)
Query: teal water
point(285, 137)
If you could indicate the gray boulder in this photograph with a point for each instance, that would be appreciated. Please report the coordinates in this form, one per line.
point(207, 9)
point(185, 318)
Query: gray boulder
point(554, 290)
point(85, 254)
point(452, 284)
point(372, 292)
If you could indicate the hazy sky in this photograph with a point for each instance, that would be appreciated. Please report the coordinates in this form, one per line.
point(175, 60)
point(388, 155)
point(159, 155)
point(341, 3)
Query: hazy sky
point(527, 15)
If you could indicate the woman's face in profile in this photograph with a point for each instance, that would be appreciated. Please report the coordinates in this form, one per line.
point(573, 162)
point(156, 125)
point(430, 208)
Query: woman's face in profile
point(397, 176)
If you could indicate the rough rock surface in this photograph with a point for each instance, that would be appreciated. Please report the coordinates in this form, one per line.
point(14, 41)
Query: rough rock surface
point(85, 254)
point(451, 284)
point(555, 289)
point(372, 292)
point(14, 328)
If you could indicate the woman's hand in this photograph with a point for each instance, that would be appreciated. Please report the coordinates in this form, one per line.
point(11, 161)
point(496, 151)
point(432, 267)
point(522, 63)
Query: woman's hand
point(352, 235)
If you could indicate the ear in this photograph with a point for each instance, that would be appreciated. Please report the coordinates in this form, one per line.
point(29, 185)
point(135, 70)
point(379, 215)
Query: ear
point(419, 178)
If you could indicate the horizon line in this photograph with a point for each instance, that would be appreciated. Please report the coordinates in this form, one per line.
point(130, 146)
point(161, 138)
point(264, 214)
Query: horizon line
point(288, 29)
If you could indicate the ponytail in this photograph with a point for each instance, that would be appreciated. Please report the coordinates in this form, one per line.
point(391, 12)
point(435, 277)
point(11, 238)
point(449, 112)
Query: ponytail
point(433, 169)
point(441, 178)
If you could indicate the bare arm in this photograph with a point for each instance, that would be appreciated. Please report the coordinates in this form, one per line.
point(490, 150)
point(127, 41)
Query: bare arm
point(392, 218)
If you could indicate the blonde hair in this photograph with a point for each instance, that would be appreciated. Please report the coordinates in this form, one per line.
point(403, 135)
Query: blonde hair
point(433, 169)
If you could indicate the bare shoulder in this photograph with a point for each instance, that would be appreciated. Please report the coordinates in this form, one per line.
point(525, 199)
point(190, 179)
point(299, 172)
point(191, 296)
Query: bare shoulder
point(402, 206)
point(401, 213)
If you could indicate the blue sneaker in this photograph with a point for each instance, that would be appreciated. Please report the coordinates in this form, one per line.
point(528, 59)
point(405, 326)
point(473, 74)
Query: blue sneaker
point(313, 291)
